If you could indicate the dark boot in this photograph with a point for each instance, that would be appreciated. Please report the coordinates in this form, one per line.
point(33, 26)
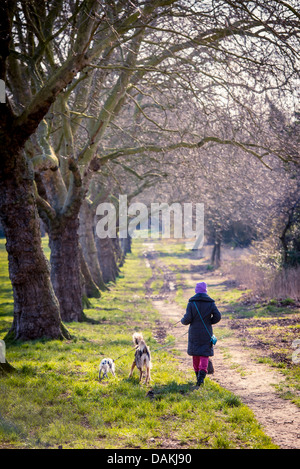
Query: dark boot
point(201, 377)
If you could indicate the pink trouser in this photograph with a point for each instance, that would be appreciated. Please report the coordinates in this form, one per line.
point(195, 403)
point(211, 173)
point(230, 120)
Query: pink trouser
point(200, 363)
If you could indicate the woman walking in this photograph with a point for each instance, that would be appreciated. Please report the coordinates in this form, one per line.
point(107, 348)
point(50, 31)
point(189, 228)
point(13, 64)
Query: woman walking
point(201, 313)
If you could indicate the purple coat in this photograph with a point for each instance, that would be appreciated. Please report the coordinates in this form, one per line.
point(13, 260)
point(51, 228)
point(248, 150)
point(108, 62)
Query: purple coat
point(199, 342)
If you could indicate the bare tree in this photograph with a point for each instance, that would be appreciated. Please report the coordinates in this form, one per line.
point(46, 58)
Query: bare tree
point(43, 47)
point(145, 51)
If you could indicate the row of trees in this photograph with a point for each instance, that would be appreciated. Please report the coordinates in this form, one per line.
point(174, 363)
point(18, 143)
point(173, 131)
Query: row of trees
point(107, 97)
point(245, 201)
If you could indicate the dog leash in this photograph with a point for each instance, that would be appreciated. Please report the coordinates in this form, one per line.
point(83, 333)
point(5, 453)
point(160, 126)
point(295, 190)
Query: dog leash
point(175, 324)
point(155, 350)
point(169, 343)
point(134, 348)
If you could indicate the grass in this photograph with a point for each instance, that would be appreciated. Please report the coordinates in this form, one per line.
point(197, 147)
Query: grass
point(54, 398)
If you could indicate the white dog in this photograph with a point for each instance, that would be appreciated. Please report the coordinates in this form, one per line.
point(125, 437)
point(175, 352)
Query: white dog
point(106, 365)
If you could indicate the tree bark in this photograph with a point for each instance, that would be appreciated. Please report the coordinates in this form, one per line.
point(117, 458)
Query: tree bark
point(118, 251)
point(107, 260)
point(88, 244)
point(216, 252)
point(59, 207)
point(36, 309)
point(90, 289)
point(126, 244)
point(284, 236)
point(65, 267)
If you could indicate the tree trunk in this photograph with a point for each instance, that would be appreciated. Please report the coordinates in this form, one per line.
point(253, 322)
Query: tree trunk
point(90, 289)
point(36, 309)
point(126, 244)
point(283, 238)
point(88, 244)
point(216, 252)
point(107, 260)
point(65, 267)
point(118, 251)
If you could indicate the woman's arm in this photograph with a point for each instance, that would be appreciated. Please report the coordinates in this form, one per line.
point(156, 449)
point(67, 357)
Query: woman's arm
point(187, 318)
point(215, 315)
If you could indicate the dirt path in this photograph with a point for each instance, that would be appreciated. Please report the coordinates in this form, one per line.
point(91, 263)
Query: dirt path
point(235, 367)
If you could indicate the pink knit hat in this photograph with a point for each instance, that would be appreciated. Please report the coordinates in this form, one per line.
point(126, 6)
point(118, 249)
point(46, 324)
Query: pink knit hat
point(201, 287)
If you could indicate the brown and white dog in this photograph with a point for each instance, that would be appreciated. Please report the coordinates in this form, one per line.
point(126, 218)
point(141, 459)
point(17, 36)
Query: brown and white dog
point(142, 357)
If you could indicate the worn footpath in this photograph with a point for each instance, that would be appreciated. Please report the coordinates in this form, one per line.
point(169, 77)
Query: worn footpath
point(235, 367)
